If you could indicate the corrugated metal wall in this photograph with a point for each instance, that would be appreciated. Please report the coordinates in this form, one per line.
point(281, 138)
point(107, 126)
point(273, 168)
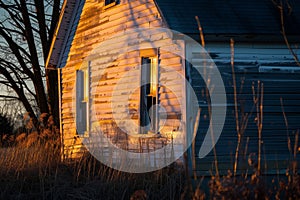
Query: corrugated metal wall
point(281, 91)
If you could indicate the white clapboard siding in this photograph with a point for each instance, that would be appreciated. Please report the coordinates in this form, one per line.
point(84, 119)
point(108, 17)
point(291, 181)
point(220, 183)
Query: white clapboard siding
point(109, 67)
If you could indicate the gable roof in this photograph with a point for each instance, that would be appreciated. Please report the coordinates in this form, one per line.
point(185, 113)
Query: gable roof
point(219, 17)
point(65, 31)
point(250, 18)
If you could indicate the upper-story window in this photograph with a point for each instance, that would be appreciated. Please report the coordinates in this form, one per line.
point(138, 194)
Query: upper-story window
point(111, 2)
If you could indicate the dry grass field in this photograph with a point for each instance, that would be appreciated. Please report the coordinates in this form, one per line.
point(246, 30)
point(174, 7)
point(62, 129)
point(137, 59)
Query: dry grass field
point(32, 169)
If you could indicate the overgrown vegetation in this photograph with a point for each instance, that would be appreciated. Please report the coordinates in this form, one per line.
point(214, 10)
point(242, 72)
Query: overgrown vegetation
point(6, 129)
point(32, 169)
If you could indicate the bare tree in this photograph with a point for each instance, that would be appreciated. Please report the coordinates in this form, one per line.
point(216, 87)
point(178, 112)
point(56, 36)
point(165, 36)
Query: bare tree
point(26, 31)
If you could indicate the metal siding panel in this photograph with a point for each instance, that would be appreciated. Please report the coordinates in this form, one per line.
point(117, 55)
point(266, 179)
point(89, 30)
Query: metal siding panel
point(274, 134)
point(230, 17)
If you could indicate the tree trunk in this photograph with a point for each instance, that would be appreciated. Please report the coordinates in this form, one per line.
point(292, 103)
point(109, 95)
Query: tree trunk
point(53, 93)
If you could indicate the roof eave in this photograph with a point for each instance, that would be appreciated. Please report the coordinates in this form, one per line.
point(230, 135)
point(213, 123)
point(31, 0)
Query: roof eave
point(271, 38)
point(60, 33)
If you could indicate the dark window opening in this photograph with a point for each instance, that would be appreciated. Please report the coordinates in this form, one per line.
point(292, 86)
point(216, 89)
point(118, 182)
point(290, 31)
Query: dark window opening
point(149, 95)
point(107, 2)
point(82, 101)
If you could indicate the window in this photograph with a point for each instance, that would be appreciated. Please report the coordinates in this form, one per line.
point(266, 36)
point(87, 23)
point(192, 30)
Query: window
point(108, 2)
point(82, 101)
point(149, 95)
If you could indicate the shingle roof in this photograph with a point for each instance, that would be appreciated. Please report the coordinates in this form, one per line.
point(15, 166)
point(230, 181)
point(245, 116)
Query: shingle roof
point(230, 16)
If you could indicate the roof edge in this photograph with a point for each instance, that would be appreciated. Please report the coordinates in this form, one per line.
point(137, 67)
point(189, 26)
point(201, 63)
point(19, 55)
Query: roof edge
point(56, 33)
point(61, 34)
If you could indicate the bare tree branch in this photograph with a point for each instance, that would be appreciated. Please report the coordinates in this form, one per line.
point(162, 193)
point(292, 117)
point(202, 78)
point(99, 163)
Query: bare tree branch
point(19, 91)
point(8, 97)
point(26, 32)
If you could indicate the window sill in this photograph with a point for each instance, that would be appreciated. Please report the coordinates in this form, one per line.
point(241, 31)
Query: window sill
point(83, 135)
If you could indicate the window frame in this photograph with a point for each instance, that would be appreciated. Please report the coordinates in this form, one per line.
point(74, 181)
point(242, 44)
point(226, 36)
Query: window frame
point(110, 3)
point(83, 101)
point(149, 93)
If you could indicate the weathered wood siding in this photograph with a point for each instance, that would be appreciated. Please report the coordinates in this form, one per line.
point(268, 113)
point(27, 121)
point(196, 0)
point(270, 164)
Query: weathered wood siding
point(277, 85)
point(96, 25)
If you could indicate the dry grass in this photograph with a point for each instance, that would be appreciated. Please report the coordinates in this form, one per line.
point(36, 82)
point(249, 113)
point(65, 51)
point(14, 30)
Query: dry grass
point(31, 169)
point(30, 174)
